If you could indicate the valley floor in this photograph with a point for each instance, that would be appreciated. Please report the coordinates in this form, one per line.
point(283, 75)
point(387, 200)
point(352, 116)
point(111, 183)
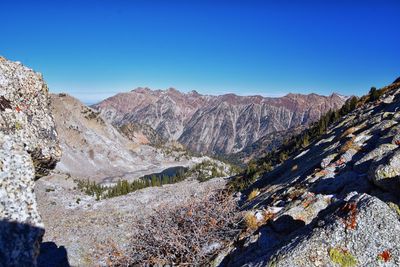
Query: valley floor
point(81, 224)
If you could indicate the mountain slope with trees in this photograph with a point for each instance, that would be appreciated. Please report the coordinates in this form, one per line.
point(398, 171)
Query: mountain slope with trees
point(328, 196)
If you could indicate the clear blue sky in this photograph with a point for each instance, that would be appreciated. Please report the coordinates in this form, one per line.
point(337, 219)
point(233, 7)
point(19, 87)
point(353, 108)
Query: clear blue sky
point(93, 49)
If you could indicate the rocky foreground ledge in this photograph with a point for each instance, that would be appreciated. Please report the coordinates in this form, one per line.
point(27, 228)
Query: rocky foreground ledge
point(335, 202)
point(28, 150)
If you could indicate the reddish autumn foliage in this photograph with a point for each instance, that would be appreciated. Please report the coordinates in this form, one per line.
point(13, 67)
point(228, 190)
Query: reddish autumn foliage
point(350, 209)
point(385, 256)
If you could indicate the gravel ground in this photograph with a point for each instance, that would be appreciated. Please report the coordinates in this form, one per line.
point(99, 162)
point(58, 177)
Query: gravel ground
point(79, 223)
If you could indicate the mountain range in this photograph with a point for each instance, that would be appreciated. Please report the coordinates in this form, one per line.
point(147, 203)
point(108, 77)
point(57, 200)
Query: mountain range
point(111, 185)
point(217, 125)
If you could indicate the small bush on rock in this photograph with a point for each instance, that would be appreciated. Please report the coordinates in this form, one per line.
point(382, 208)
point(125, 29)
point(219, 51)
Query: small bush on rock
point(251, 221)
point(253, 194)
point(349, 145)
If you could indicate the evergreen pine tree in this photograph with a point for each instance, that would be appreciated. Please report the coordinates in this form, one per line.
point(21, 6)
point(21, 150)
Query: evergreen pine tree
point(373, 94)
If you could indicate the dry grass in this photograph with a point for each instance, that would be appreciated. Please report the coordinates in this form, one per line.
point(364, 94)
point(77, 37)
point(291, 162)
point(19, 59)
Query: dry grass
point(348, 132)
point(349, 145)
point(251, 221)
point(382, 91)
point(189, 234)
point(255, 192)
point(295, 194)
point(268, 216)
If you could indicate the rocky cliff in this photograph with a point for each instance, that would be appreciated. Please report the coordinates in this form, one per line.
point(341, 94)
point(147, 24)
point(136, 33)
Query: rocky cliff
point(215, 124)
point(28, 149)
point(94, 149)
point(334, 202)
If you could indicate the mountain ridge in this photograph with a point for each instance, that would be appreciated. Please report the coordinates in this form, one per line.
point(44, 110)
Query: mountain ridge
point(198, 121)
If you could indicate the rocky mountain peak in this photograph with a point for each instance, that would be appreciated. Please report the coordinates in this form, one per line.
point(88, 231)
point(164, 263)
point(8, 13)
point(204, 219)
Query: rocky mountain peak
point(194, 93)
point(173, 90)
point(141, 90)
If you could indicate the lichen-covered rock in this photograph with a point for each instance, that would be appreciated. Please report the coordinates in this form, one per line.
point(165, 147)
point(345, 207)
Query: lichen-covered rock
point(365, 230)
point(326, 161)
point(377, 154)
point(348, 155)
point(28, 149)
point(309, 208)
point(396, 139)
point(25, 112)
point(386, 173)
point(383, 125)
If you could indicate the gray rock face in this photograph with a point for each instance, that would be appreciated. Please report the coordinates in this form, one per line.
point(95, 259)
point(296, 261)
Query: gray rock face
point(215, 124)
point(28, 149)
point(386, 173)
point(375, 155)
point(375, 231)
point(20, 226)
point(25, 113)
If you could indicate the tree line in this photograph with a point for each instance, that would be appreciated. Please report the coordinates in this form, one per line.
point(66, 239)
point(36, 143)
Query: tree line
point(123, 187)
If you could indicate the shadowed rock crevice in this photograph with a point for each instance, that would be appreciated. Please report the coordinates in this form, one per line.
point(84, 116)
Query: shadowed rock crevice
point(19, 243)
point(52, 256)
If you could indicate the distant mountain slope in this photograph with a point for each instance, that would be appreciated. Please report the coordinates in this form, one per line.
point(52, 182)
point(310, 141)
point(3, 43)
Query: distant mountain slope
point(334, 199)
point(215, 124)
point(264, 145)
point(93, 148)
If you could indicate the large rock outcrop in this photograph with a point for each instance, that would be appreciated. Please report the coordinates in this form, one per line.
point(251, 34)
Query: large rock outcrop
point(215, 124)
point(28, 150)
point(334, 202)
